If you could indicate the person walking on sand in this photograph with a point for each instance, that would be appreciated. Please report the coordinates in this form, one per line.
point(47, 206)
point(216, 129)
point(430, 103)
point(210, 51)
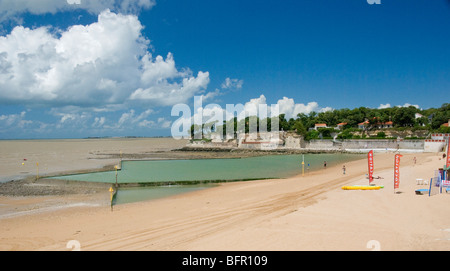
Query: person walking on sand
point(343, 169)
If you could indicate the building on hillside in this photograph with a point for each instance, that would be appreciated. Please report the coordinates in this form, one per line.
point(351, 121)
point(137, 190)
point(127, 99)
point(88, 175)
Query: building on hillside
point(418, 116)
point(320, 125)
point(379, 125)
point(446, 124)
point(387, 124)
point(363, 125)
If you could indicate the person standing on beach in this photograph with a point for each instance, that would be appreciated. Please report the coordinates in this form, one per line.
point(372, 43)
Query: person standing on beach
point(343, 169)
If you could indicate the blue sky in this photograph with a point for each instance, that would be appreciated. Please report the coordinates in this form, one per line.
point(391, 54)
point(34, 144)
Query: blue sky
point(71, 69)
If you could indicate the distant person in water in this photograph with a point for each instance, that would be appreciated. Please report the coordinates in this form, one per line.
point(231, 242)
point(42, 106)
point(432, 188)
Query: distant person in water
point(324, 164)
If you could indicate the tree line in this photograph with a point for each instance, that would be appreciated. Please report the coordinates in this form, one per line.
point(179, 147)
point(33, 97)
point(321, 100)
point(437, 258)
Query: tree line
point(429, 119)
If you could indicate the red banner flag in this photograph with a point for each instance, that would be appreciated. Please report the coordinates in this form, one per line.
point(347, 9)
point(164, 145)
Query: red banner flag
point(397, 171)
point(370, 160)
point(447, 165)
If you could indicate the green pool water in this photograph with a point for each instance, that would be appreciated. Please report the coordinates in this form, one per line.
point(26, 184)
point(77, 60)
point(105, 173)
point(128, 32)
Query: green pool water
point(189, 172)
point(163, 171)
point(135, 194)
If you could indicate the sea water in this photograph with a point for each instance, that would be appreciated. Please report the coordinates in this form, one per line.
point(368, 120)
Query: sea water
point(175, 172)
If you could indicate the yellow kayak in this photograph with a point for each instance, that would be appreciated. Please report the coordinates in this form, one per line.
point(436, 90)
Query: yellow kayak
point(362, 187)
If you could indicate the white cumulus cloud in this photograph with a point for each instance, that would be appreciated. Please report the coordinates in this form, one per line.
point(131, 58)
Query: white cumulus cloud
point(291, 109)
point(388, 105)
point(98, 122)
point(408, 105)
point(254, 106)
point(13, 8)
point(73, 2)
point(167, 93)
point(383, 106)
point(105, 63)
point(14, 120)
point(232, 83)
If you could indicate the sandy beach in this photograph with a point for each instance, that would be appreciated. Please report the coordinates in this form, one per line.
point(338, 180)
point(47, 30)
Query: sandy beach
point(308, 212)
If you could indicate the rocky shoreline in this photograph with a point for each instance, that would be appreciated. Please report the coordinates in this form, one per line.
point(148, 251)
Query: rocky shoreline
point(256, 152)
point(45, 187)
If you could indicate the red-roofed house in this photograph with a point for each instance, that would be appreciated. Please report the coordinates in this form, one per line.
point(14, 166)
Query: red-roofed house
point(320, 125)
point(379, 125)
point(363, 125)
point(387, 124)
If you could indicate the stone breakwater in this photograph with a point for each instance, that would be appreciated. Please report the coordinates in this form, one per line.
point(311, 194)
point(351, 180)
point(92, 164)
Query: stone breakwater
point(247, 152)
point(46, 187)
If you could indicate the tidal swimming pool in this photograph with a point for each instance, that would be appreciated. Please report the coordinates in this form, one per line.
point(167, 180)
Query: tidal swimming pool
point(162, 178)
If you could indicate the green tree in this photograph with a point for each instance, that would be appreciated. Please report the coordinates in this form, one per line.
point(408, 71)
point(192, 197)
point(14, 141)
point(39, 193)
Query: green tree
point(422, 121)
point(328, 117)
point(283, 124)
point(299, 128)
point(313, 134)
point(326, 132)
point(307, 120)
point(443, 129)
point(345, 134)
point(404, 116)
point(291, 124)
point(381, 134)
point(196, 131)
point(441, 116)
